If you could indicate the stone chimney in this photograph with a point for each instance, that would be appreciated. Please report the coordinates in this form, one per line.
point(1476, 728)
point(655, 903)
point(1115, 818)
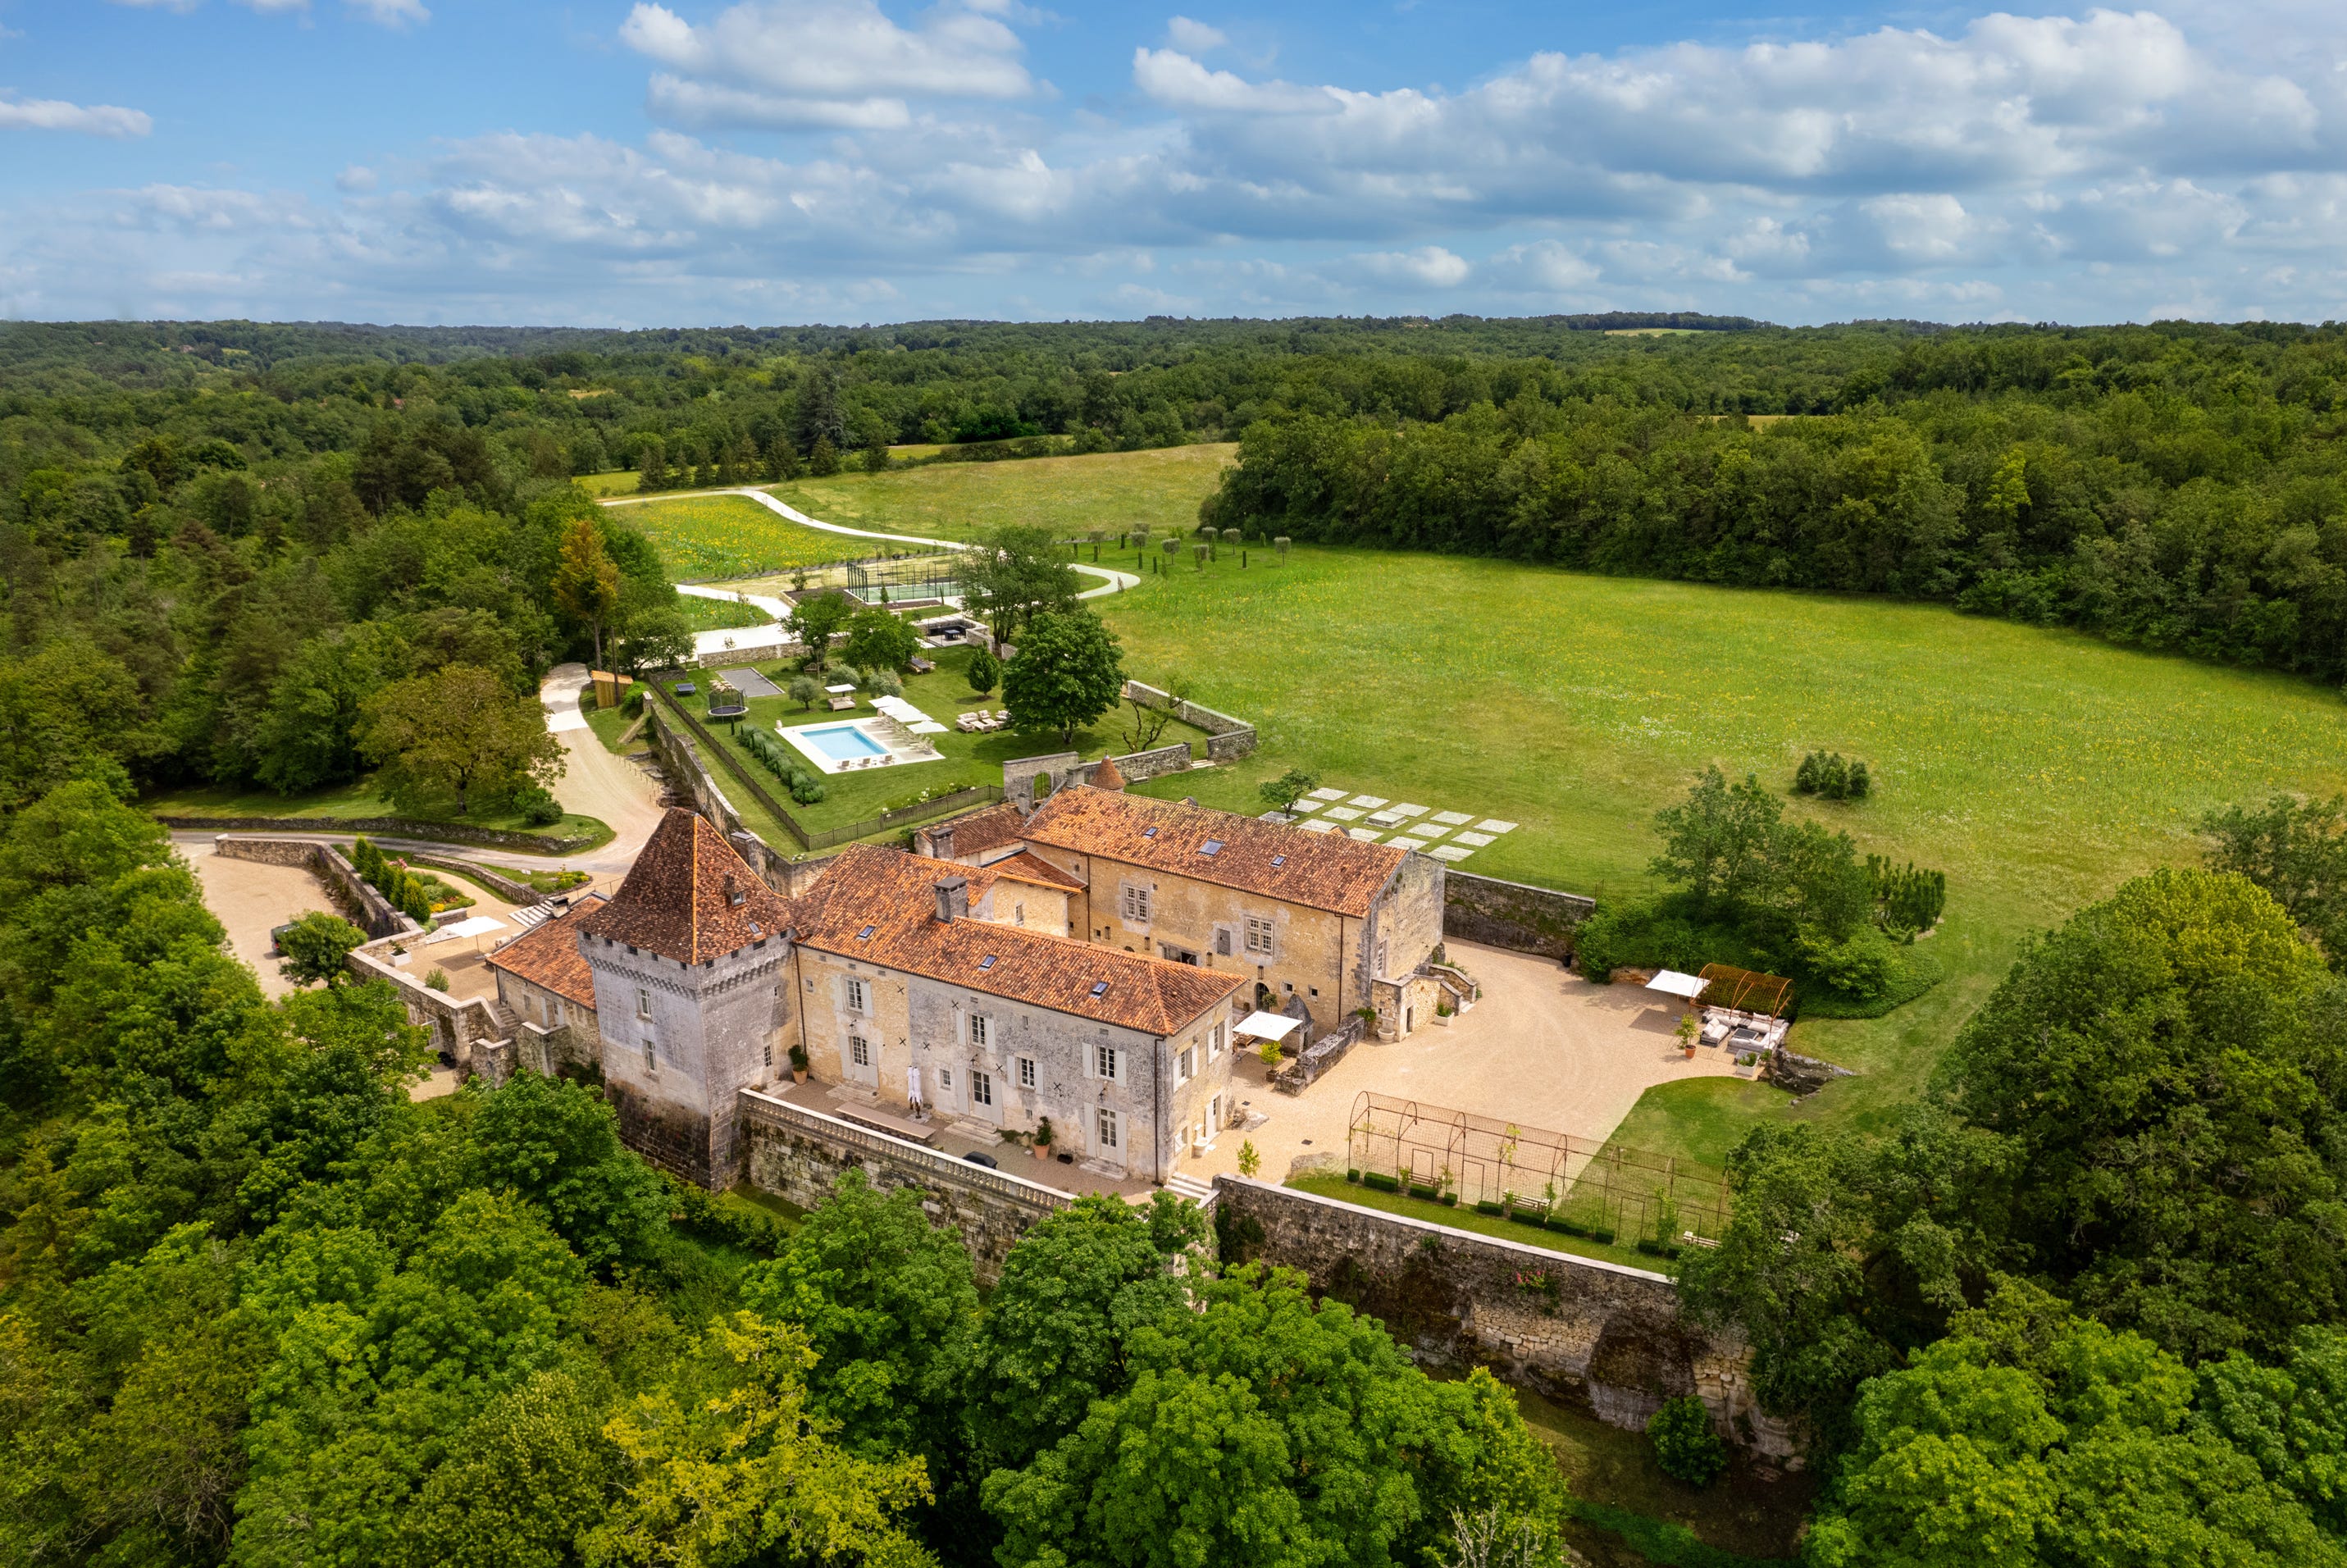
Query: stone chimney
point(953, 899)
point(941, 841)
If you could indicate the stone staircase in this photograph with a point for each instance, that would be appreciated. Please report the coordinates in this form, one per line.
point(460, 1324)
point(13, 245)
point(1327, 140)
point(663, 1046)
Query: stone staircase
point(1190, 1187)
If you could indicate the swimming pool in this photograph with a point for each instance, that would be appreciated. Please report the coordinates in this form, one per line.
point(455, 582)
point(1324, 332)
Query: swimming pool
point(841, 743)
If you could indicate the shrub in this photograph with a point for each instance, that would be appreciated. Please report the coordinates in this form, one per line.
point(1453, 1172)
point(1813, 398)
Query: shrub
point(881, 681)
point(806, 789)
point(985, 672)
point(1860, 967)
point(1380, 1180)
point(804, 690)
point(1828, 775)
point(1911, 900)
point(538, 807)
point(436, 981)
point(1250, 1161)
point(633, 707)
point(1684, 1445)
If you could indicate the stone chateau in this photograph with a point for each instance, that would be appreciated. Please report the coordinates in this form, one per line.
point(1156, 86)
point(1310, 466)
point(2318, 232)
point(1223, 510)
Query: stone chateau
point(1082, 965)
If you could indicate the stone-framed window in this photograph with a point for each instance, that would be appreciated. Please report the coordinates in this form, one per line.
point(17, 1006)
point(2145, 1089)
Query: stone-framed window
point(982, 1031)
point(1136, 904)
point(643, 1002)
point(859, 995)
point(1026, 1073)
point(1105, 1063)
point(652, 1056)
point(1258, 936)
point(1215, 1044)
point(1186, 1066)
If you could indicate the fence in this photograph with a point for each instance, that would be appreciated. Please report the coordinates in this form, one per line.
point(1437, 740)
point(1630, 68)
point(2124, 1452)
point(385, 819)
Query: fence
point(1575, 1185)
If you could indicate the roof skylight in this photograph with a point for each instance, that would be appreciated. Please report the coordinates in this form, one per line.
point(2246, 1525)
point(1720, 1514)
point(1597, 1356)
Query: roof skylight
point(1212, 847)
point(987, 962)
point(1099, 989)
point(866, 934)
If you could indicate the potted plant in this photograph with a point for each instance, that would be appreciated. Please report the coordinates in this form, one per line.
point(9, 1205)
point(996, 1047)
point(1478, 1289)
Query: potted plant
point(399, 956)
point(1689, 1028)
point(798, 1064)
point(1044, 1135)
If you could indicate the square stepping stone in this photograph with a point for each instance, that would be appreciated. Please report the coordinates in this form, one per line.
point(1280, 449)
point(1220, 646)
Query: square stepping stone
point(1493, 824)
point(1406, 809)
point(1307, 803)
point(1389, 818)
point(1398, 842)
point(1367, 801)
point(1428, 829)
point(1449, 851)
point(1452, 818)
point(1477, 839)
point(1327, 794)
point(1366, 834)
point(1280, 818)
point(1340, 813)
point(1317, 824)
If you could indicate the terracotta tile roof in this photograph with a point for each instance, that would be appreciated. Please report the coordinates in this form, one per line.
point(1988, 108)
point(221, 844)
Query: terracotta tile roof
point(547, 957)
point(689, 896)
point(1319, 870)
point(1106, 775)
point(987, 827)
point(893, 895)
point(1025, 866)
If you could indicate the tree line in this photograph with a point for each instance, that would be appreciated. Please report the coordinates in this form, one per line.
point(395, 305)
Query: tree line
point(2178, 491)
point(259, 1306)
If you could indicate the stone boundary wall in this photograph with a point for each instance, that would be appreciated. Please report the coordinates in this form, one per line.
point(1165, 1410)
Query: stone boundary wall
point(796, 1154)
point(681, 764)
point(350, 893)
point(1152, 764)
point(1019, 773)
point(1227, 738)
point(504, 887)
point(1515, 915)
point(466, 1032)
point(386, 828)
point(1597, 1336)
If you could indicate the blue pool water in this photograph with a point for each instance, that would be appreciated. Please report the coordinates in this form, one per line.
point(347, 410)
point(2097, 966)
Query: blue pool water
point(845, 742)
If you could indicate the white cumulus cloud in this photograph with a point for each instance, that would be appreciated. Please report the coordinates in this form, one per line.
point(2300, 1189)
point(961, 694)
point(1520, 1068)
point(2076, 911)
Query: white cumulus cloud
point(90, 119)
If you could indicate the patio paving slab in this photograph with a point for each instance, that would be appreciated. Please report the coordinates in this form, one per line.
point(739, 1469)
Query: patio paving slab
point(1367, 801)
point(1327, 794)
point(1493, 824)
point(1399, 842)
point(1406, 809)
point(1317, 824)
point(1449, 851)
point(1340, 814)
point(1452, 818)
point(1476, 839)
point(1366, 834)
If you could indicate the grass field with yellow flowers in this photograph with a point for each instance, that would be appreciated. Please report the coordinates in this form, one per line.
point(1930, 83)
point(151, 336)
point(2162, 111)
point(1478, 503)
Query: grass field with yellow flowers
point(2038, 768)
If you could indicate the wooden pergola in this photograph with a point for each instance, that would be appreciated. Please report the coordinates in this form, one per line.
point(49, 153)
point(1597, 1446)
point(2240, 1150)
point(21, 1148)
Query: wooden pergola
point(1726, 986)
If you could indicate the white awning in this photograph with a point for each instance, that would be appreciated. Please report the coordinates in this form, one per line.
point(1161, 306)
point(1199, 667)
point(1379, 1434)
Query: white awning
point(1676, 984)
point(1267, 1025)
point(477, 926)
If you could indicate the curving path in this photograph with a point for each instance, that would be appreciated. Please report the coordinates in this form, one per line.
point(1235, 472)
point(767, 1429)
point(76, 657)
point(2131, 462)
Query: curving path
point(1116, 581)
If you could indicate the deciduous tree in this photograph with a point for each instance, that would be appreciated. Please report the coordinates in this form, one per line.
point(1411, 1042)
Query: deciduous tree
point(1070, 671)
point(456, 732)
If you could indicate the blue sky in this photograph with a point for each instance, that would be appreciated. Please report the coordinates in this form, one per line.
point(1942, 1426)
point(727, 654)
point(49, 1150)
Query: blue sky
point(625, 162)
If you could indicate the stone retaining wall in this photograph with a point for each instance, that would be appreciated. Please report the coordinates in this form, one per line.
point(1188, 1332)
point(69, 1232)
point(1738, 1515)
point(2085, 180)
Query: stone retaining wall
point(387, 827)
point(1597, 1336)
point(504, 887)
point(796, 1154)
point(1515, 915)
point(351, 896)
point(1152, 763)
point(1227, 738)
point(464, 1032)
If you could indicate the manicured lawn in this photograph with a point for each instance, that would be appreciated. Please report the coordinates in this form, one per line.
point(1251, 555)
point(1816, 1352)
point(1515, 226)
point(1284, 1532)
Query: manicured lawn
point(2038, 768)
point(1114, 491)
point(704, 537)
point(350, 800)
point(943, 694)
point(1467, 1218)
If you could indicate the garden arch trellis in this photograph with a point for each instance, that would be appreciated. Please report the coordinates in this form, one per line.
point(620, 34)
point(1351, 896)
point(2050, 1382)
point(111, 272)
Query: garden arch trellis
point(1531, 1173)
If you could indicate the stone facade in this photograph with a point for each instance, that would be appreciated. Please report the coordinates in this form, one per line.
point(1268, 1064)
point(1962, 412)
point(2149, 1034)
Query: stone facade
point(1604, 1338)
point(680, 1039)
point(797, 1154)
point(1515, 915)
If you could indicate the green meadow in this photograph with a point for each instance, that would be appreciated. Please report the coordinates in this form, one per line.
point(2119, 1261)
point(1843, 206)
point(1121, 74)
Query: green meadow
point(2037, 768)
point(705, 537)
